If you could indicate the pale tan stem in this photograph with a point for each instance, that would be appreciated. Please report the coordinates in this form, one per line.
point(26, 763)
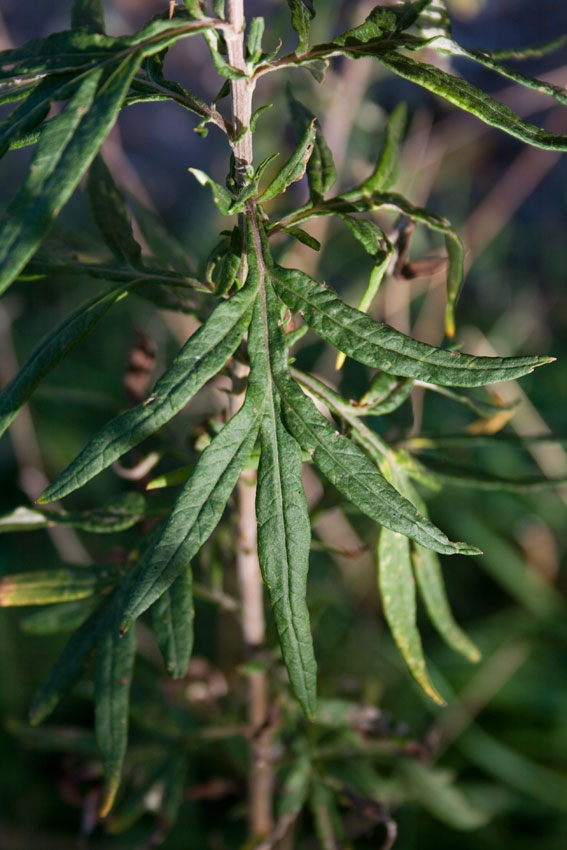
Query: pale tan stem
point(260, 789)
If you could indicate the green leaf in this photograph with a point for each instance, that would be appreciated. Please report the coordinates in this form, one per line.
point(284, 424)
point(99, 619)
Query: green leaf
point(223, 68)
point(59, 617)
point(49, 352)
point(379, 23)
point(294, 168)
point(458, 475)
point(164, 246)
point(170, 479)
point(201, 503)
point(199, 507)
point(88, 14)
point(386, 169)
point(378, 345)
point(434, 790)
point(506, 565)
point(397, 591)
point(385, 394)
point(254, 39)
point(254, 120)
point(194, 7)
point(455, 252)
point(115, 666)
point(427, 570)
point(67, 146)
point(111, 213)
point(223, 269)
point(66, 51)
point(202, 356)
point(62, 585)
point(370, 236)
point(302, 13)
point(117, 514)
point(354, 474)
point(534, 51)
point(172, 619)
point(221, 196)
point(28, 116)
point(445, 45)
point(69, 665)
point(303, 237)
point(295, 787)
point(284, 533)
point(321, 172)
point(434, 19)
point(471, 99)
point(326, 818)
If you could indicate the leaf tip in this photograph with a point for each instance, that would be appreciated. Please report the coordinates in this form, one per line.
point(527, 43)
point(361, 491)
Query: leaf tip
point(108, 797)
point(474, 654)
point(543, 361)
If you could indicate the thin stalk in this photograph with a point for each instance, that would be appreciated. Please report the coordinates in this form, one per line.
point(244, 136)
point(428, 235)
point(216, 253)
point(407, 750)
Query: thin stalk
point(260, 788)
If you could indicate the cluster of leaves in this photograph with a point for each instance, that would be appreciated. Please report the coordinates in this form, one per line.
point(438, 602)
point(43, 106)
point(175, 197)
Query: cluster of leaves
point(246, 295)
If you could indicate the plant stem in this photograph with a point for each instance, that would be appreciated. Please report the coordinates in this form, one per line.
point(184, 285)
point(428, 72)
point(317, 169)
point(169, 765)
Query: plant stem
point(260, 788)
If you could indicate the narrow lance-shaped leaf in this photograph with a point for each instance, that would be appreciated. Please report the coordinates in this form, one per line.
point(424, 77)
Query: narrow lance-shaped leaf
point(111, 213)
point(80, 50)
point(427, 570)
point(326, 817)
point(385, 394)
point(199, 507)
point(52, 349)
point(372, 239)
point(115, 515)
point(471, 99)
point(350, 469)
point(370, 236)
point(321, 172)
point(458, 475)
point(381, 22)
point(61, 585)
point(254, 39)
point(354, 475)
point(59, 617)
point(221, 196)
point(294, 168)
point(435, 790)
point(115, 665)
point(88, 14)
point(380, 346)
point(303, 237)
point(201, 503)
point(386, 169)
point(302, 13)
point(172, 619)
point(200, 359)
point(28, 116)
point(444, 44)
point(397, 591)
point(65, 150)
point(164, 245)
point(284, 533)
point(532, 51)
point(69, 664)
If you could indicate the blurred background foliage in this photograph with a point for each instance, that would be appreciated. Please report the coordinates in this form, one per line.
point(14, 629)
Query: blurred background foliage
point(503, 733)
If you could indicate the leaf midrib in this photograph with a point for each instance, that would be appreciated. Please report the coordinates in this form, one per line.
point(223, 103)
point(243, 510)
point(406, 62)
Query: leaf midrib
point(380, 326)
point(262, 272)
